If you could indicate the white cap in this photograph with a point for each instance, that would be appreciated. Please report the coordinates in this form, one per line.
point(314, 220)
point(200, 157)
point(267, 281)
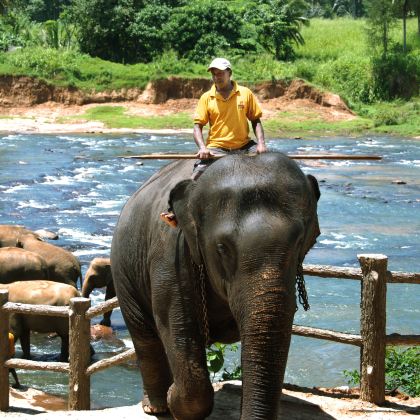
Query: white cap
point(219, 63)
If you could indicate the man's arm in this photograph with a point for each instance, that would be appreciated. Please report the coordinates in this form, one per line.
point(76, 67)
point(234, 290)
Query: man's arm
point(203, 152)
point(259, 134)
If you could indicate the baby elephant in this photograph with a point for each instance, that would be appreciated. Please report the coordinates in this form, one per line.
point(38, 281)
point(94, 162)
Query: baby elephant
point(40, 292)
point(99, 275)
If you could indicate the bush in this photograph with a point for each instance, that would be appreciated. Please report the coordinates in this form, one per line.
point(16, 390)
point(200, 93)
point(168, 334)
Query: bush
point(402, 370)
point(348, 75)
point(396, 76)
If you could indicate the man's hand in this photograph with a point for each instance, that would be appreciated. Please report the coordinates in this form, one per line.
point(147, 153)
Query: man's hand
point(261, 148)
point(204, 153)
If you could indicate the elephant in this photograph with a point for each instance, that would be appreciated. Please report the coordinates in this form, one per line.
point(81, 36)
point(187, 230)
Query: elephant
point(10, 234)
point(99, 275)
point(63, 266)
point(40, 292)
point(227, 272)
point(19, 264)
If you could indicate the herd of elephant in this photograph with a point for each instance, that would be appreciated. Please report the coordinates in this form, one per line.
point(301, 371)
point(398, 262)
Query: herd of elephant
point(35, 271)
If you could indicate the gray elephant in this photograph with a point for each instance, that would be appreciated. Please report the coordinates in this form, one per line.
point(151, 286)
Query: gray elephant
point(226, 273)
point(99, 275)
point(63, 266)
point(40, 292)
point(19, 264)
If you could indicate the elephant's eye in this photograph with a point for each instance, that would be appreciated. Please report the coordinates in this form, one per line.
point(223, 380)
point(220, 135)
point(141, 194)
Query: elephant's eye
point(221, 249)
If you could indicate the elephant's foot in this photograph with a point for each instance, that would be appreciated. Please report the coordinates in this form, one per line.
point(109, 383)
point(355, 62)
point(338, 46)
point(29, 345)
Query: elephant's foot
point(159, 406)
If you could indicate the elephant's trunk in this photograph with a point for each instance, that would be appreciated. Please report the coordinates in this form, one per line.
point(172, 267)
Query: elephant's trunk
point(87, 288)
point(265, 324)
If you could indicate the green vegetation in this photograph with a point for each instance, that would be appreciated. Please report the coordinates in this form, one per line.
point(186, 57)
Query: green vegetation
point(115, 117)
point(62, 42)
point(402, 371)
point(216, 360)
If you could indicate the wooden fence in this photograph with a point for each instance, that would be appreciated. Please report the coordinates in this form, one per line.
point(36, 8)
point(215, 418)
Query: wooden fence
point(372, 339)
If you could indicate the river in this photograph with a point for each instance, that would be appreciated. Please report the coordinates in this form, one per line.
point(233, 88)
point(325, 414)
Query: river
point(76, 185)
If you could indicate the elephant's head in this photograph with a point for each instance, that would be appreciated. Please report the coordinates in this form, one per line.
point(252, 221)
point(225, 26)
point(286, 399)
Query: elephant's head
point(97, 275)
point(250, 221)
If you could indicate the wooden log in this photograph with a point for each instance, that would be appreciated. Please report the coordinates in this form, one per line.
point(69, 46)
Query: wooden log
point(27, 309)
point(4, 352)
point(34, 365)
point(329, 271)
point(111, 361)
point(400, 277)
point(170, 156)
point(372, 328)
point(322, 334)
point(101, 308)
point(333, 272)
point(395, 339)
point(79, 382)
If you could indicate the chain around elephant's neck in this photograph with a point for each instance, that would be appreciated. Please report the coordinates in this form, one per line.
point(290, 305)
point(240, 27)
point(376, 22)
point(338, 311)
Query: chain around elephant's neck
point(300, 283)
point(202, 286)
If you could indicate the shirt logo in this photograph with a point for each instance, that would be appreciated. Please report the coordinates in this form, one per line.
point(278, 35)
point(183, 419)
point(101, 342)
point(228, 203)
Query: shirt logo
point(241, 105)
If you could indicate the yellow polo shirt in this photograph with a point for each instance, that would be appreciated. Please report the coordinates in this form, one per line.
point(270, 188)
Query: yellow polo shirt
point(228, 118)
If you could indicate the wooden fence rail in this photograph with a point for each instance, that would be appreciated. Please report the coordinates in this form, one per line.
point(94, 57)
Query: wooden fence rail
point(372, 339)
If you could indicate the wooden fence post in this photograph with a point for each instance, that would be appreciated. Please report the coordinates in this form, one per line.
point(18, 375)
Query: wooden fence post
point(79, 352)
point(373, 327)
point(4, 352)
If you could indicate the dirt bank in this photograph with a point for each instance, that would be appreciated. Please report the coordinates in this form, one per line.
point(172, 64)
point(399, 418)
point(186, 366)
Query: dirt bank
point(297, 404)
point(31, 105)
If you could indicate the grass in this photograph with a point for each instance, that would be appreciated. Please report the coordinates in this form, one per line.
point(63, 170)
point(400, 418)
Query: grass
point(116, 117)
point(296, 124)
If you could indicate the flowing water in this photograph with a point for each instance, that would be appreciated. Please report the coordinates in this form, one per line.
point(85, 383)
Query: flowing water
point(76, 186)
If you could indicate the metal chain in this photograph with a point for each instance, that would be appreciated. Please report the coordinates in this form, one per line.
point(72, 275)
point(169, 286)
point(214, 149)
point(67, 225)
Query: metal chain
point(204, 304)
point(300, 283)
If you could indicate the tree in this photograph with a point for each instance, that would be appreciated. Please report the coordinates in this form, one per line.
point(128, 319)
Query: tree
point(381, 16)
point(202, 30)
point(278, 24)
point(148, 29)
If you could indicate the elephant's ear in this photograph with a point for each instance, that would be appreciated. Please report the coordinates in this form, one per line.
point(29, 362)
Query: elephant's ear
point(312, 229)
point(180, 203)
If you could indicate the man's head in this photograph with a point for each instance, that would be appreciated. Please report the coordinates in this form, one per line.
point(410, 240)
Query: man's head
point(221, 71)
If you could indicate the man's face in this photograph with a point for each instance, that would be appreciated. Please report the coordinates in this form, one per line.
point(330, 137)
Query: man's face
point(221, 78)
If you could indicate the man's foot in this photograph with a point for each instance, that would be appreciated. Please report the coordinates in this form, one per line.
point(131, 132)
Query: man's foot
point(169, 218)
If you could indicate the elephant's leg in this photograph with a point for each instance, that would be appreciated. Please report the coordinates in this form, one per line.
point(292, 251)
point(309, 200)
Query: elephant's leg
point(64, 354)
point(109, 294)
point(153, 363)
point(156, 375)
point(190, 397)
point(25, 342)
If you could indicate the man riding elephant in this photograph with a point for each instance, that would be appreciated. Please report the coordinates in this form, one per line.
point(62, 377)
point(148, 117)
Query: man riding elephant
point(226, 107)
point(226, 273)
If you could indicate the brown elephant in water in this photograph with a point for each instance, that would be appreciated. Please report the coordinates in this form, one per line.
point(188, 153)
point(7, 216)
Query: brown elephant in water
point(63, 266)
point(19, 264)
point(99, 275)
point(10, 234)
point(40, 292)
point(228, 272)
